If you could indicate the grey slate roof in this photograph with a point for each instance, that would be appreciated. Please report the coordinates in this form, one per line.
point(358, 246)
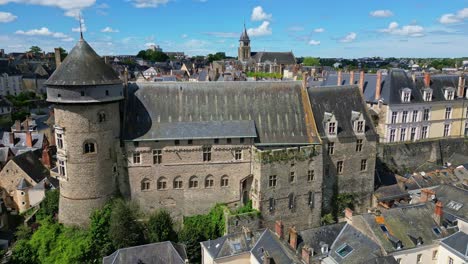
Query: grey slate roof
point(438, 83)
point(339, 100)
point(275, 108)
point(244, 36)
point(449, 196)
point(31, 165)
point(390, 192)
point(81, 67)
point(279, 252)
point(19, 145)
point(458, 244)
point(316, 236)
point(156, 253)
point(286, 58)
point(232, 244)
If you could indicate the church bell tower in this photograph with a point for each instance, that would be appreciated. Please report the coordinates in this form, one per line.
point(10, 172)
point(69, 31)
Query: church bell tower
point(244, 46)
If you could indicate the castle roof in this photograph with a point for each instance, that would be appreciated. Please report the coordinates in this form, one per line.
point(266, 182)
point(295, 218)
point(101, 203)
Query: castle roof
point(83, 67)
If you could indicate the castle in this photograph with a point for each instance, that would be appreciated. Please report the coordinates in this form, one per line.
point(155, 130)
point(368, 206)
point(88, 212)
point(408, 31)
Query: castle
point(187, 146)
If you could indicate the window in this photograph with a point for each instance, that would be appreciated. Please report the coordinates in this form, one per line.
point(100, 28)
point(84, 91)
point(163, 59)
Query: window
point(291, 201)
point(344, 250)
point(228, 141)
point(176, 142)
point(339, 167)
point(394, 117)
point(136, 158)
point(189, 142)
point(162, 183)
point(216, 140)
point(449, 94)
point(363, 165)
point(209, 181)
point(426, 115)
point(359, 145)
point(446, 130)
point(272, 203)
point(89, 147)
point(225, 181)
point(310, 175)
point(206, 154)
point(392, 135)
point(419, 258)
point(59, 140)
point(157, 156)
point(450, 260)
point(292, 176)
point(101, 117)
point(331, 148)
point(145, 184)
point(241, 140)
point(360, 127)
point(193, 182)
point(332, 128)
point(435, 254)
point(272, 181)
point(413, 134)
point(415, 116)
point(424, 132)
point(448, 112)
point(62, 168)
point(404, 117)
point(311, 199)
point(427, 96)
point(238, 154)
point(406, 97)
point(178, 183)
point(403, 134)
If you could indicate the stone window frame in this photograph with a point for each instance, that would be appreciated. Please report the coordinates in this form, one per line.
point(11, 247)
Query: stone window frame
point(102, 117)
point(145, 184)
point(414, 116)
point(224, 181)
point(62, 167)
point(89, 146)
point(449, 93)
point(394, 117)
point(311, 199)
point(424, 132)
point(404, 116)
point(339, 167)
point(310, 175)
point(207, 151)
point(161, 183)
point(406, 95)
point(331, 148)
point(447, 129)
point(426, 114)
point(403, 134)
point(59, 137)
point(359, 144)
point(392, 135)
point(291, 201)
point(292, 177)
point(363, 164)
point(427, 95)
point(157, 156)
point(193, 182)
point(136, 158)
point(209, 181)
point(271, 204)
point(238, 154)
point(272, 181)
point(178, 183)
point(448, 112)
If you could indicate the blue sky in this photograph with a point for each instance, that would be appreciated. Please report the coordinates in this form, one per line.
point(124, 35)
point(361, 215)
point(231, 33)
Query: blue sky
point(359, 28)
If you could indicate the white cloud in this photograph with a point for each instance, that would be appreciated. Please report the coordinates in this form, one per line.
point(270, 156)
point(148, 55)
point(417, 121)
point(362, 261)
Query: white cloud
point(83, 27)
point(319, 30)
point(314, 42)
point(44, 32)
point(184, 36)
point(454, 18)
point(109, 30)
point(296, 28)
point(6, 17)
point(71, 7)
point(349, 38)
point(263, 30)
point(258, 14)
point(223, 34)
point(148, 3)
point(381, 13)
point(408, 30)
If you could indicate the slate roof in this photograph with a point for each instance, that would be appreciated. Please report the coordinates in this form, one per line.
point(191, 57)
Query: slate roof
point(391, 192)
point(286, 58)
point(458, 244)
point(279, 252)
point(315, 237)
point(421, 180)
point(275, 108)
point(438, 83)
point(4, 152)
point(20, 141)
point(450, 196)
point(156, 253)
point(339, 100)
point(232, 244)
point(81, 67)
point(31, 165)
point(244, 36)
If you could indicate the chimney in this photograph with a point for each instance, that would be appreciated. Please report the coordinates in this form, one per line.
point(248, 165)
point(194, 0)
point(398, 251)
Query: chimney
point(2, 52)
point(12, 138)
point(438, 213)
point(46, 159)
point(427, 80)
point(266, 257)
point(348, 213)
point(305, 77)
point(58, 59)
point(413, 76)
point(307, 252)
point(426, 195)
point(351, 77)
point(340, 78)
point(29, 141)
point(279, 229)
point(106, 61)
point(378, 85)
point(17, 125)
point(293, 237)
point(461, 86)
point(361, 82)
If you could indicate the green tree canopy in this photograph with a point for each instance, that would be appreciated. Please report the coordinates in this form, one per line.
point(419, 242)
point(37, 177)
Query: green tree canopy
point(217, 56)
point(161, 227)
point(49, 206)
point(311, 61)
point(153, 55)
point(125, 230)
point(35, 49)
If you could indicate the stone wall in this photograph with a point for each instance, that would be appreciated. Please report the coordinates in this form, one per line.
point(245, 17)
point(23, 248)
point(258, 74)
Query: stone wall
point(236, 223)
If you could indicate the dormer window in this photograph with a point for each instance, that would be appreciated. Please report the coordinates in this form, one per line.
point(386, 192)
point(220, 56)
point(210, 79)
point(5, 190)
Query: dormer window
point(406, 95)
point(331, 125)
point(427, 94)
point(358, 121)
point(332, 128)
point(449, 93)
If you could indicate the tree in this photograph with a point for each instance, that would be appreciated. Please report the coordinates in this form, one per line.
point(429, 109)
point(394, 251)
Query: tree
point(153, 55)
point(100, 244)
point(161, 227)
point(311, 61)
point(35, 49)
point(49, 206)
point(217, 56)
point(124, 229)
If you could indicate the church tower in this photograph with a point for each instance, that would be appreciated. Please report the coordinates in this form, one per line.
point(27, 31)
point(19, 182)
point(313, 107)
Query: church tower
point(244, 46)
point(86, 94)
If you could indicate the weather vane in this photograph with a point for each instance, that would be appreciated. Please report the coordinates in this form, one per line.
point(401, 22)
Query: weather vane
point(81, 22)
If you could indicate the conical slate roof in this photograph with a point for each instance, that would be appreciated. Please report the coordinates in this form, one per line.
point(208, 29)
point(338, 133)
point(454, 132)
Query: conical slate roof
point(83, 67)
point(244, 36)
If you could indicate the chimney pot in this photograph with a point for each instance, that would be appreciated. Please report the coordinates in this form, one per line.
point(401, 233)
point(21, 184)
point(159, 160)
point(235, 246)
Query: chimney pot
point(348, 213)
point(351, 78)
point(58, 59)
point(279, 229)
point(12, 138)
point(340, 78)
point(29, 140)
point(46, 158)
point(461, 86)
point(361, 81)
point(17, 126)
point(427, 80)
point(426, 195)
point(378, 85)
point(438, 213)
point(306, 253)
point(293, 237)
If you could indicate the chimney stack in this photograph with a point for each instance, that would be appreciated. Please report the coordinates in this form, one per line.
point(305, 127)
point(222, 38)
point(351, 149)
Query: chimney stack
point(46, 158)
point(17, 126)
point(348, 213)
point(58, 59)
point(293, 238)
point(29, 141)
point(426, 195)
point(351, 77)
point(12, 138)
point(2, 52)
point(378, 85)
point(461, 86)
point(413, 76)
point(340, 78)
point(305, 77)
point(427, 80)
point(307, 252)
point(266, 257)
point(279, 229)
point(438, 213)
point(361, 82)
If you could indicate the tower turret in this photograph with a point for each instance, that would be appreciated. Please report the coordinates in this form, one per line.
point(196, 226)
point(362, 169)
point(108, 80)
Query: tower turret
point(86, 93)
point(244, 46)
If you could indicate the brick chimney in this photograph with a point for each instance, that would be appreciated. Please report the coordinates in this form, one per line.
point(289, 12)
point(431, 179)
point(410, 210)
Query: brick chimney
point(348, 213)
point(12, 138)
point(279, 228)
point(266, 257)
point(306, 253)
point(361, 81)
point(438, 213)
point(426, 195)
point(351, 77)
point(340, 78)
point(378, 85)
point(46, 158)
point(29, 141)
point(461, 86)
point(293, 237)
point(58, 59)
point(427, 80)
point(17, 125)
point(305, 77)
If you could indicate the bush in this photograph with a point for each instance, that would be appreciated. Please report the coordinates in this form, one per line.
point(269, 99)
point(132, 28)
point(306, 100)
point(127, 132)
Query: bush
point(125, 230)
point(160, 227)
point(49, 206)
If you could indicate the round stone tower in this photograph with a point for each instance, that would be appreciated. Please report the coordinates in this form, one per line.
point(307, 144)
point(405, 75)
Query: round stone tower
point(86, 93)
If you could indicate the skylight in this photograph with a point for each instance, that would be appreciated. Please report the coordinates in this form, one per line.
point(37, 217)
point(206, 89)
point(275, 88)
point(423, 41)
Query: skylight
point(436, 231)
point(344, 250)
point(454, 205)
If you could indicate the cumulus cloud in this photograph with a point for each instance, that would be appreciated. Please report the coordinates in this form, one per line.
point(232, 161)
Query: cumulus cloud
point(258, 14)
point(6, 17)
point(314, 42)
point(148, 3)
point(349, 38)
point(263, 30)
point(71, 7)
point(454, 18)
point(408, 30)
point(184, 36)
point(109, 30)
point(319, 30)
point(43, 31)
point(381, 13)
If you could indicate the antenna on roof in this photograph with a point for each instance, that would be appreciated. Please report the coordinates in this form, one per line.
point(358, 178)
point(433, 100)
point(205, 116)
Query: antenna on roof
point(81, 28)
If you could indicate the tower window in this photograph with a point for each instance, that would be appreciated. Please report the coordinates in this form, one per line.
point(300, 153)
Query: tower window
point(59, 140)
point(238, 154)
point(310, 175)
point(82, 93)
point(107, 92)
point(225, 181)
point(136, 158)
point(145, 184)
point(272, 181)
point(89, 147)
point(193, 183)
point(162, 183)
point(61, 168)
point(209, 181)
point(101, 117)
point(206, 153)
point(178, 183)
point(157, 156)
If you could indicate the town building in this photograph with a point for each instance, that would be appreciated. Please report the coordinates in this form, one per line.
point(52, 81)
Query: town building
point(155, 253)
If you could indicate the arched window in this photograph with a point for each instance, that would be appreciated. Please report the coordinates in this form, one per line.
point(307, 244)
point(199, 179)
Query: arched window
point(89, 147)
point(162, 183)
point(209, 181)
point(101, 117)
point(225, 181)
point(193, 183)
point(145, 184)
point(178, 183)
